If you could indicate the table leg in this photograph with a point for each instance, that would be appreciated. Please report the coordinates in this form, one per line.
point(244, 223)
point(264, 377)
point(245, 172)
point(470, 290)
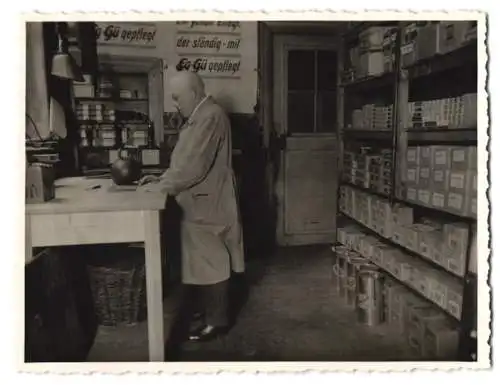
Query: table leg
point(28, 246)
point(154, 286)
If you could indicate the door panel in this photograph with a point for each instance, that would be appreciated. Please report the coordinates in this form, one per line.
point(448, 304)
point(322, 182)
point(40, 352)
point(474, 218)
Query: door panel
point(310, 196)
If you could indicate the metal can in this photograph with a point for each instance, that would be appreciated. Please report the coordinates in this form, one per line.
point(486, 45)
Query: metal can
point(354, 264)
point(339, 252)
point(369, 296)
point(341, 274)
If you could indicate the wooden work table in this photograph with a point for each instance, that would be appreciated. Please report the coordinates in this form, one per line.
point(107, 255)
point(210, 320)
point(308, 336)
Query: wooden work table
point(80, 215)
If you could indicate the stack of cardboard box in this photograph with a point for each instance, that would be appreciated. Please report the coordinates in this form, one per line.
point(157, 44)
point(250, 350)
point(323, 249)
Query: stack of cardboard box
point(442, 177)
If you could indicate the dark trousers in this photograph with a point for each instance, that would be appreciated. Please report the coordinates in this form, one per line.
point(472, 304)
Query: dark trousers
point(212, 300)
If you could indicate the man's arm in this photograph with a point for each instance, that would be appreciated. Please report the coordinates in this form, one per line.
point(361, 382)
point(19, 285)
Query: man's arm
point(196, 161)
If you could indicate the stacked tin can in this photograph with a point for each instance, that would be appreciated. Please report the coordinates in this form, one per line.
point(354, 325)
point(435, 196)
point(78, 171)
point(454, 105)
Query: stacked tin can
point(369, 295)
point(354, 264)
point(341, 253)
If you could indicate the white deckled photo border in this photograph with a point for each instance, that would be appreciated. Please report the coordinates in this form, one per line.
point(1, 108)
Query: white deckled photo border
point(483, 240)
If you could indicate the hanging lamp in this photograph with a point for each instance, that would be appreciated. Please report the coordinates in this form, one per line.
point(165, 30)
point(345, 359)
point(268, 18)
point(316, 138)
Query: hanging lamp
point(63, 64)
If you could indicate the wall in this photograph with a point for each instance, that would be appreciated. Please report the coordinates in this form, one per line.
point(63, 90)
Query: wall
point(233, 81)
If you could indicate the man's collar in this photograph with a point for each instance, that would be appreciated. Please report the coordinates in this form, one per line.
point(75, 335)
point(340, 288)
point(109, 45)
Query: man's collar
point(207, 99)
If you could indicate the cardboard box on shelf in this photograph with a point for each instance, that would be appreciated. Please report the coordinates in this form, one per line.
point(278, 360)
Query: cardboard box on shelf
point(372, 38)
point(456, 238)
point(423, 315)
point(399, 234)
point(388, 257)
point(438, 293)
point(426, 243)
point(438, 254)
point(454, 298)
point(428, 41)
point(455, 264)
point(441, 340)
point(457, 203)
point(424, 196)
point(420, 278)
point(470, 110)
point(412, 157)
point(371, 64)
point(472, 206)
point(412, 176)
point(441, 157)
point(411, 194)
point(464, 158)
point(425, 156)
point(411, 301)
point(402, 268)
point(440, 180)
point(452, 35)
point(438, 200)
point(424, 177)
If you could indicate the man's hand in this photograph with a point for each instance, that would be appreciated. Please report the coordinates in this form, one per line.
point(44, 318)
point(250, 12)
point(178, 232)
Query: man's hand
point(148, 179)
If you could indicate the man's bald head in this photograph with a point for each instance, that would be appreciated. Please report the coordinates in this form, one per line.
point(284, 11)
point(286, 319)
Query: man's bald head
point(188, 90)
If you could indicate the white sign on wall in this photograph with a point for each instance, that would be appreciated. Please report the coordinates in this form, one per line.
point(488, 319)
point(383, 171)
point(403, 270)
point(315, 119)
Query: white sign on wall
point(126, 34)
point(210, 48)
point(209, 26)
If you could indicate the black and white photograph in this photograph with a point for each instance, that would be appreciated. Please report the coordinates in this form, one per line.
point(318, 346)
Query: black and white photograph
point(205, 190)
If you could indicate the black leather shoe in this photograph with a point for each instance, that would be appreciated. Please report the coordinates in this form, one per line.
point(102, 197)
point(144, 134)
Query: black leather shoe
point(207, 333)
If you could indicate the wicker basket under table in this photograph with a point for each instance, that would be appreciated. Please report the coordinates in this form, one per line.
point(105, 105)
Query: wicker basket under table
point(117, 281)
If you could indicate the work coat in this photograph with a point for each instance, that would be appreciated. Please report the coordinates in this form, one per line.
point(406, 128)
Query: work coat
point(201, 178)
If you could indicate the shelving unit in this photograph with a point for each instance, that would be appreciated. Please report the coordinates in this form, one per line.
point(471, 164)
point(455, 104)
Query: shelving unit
point(387, 92)
point(120, 110)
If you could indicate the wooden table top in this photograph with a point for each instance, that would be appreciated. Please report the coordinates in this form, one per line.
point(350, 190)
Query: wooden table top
point(75, 195)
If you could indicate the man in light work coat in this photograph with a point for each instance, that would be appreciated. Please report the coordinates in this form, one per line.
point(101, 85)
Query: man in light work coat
point(201, 178)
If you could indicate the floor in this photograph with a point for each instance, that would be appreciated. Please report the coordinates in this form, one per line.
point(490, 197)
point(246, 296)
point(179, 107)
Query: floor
point(292, 313)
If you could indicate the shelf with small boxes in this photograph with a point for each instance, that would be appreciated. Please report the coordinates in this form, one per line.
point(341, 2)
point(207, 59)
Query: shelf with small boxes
point(440, 242)
point(367, 91)
point(115, 113)
point(441, 177)
point(433, 47)
point(430, 285)
point(424, 213)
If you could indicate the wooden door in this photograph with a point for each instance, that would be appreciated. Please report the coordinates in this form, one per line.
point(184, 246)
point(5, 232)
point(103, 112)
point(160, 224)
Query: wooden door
point(305, 116)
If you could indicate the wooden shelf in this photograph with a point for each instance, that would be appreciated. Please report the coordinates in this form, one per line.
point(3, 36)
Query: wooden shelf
point(443, 211)
point(408, 284)
point(111, 122)
point(431, 263)
point(399, 199)
point(365, 189)
point(383, 80)
point(441, 135)
point(109, 100)
point(371, 135)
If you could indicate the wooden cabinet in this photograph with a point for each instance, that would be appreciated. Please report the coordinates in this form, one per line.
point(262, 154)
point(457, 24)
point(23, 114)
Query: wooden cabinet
point(120, 107)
